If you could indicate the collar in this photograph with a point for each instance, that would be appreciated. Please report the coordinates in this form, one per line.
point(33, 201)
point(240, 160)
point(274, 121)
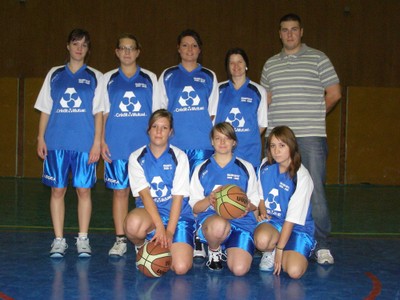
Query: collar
point(302, 50)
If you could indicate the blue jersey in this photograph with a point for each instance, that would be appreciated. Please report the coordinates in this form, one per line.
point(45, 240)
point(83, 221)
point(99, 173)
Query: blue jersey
point(287, 199)
point(209, 175)
point(166, 176)
point(246, 110)
point(129, 105)
point(192, 98)
point(71, 100)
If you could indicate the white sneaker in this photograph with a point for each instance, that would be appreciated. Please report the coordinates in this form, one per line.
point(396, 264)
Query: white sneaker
point(119, 248)
point(324, 257)
point(58, 248)
point(267, 261)
point(83, 247)
point(199, 250)
point(215, 259)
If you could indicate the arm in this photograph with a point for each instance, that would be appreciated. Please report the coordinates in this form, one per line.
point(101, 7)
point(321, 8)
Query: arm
point(41, 147)
point(105, 152)
point(287, 229)
point(332, 96)
point(152, 210)
point(269, 98)
point(95, 151)
point(173, 217)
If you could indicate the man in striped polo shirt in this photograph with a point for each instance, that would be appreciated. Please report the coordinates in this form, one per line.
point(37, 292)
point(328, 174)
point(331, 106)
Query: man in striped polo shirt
point(302, 87)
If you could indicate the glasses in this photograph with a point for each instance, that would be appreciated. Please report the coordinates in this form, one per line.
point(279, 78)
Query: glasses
point(126, 49)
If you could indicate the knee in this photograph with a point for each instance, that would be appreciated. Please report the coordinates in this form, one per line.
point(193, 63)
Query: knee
point(263, 243)
point(239, 269)
point(83, 193)
point(218, 229)
point(295, 271)
point(181, 267)
point(131, 225)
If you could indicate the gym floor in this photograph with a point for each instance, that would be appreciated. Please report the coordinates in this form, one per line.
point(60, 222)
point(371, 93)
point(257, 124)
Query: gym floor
point(365, 242)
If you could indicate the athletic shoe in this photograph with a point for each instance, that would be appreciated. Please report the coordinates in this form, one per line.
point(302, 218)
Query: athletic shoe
point(138, 247)
point(119, 248)
point(58, 248)
point(199, 251)
point(83, 247)
point(324, 257)
point(267, 261)
point(215, 259)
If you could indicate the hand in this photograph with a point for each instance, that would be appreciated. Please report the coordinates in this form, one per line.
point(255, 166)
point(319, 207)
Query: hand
point(94, 154)
point(105, 153)
point(41, 149)
point(278, 261)
point(160, 237)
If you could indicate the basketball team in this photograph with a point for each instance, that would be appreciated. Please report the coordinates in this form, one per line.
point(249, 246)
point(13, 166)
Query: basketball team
point(173, 142)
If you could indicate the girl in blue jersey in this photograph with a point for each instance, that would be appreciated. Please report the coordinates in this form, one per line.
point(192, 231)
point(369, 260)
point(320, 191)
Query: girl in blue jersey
point(243, 103)
point(189, 91)
point(234, 236)
point(128, 94)
point(159, 179)
point(285, 232)
point(69, 137)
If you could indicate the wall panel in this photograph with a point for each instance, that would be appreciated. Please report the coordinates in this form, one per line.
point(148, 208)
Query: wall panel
point(373, 136)
point(8, 126)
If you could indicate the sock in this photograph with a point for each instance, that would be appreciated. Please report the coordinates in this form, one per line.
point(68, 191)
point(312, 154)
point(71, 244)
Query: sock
point(82, 235)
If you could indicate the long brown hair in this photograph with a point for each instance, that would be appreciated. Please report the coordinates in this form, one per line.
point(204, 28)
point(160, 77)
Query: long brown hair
point(286, 135)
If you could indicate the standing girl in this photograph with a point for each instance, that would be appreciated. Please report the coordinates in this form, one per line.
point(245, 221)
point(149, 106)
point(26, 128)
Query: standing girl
point(285, 232)
point(243, 103)
point(190, 92)
point(128, 94)
point(69, 137)
point(234, 236)
point(159, 179)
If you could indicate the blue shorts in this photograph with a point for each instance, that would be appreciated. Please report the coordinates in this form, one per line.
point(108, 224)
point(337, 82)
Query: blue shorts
point(59, 163)
point(116, 174)
point(237, 238)
point(299, 241)
point(183, 233)
point(196, 157)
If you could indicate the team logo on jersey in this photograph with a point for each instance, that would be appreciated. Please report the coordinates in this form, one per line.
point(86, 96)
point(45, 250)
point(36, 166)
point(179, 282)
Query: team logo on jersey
point(189, 97)
point(235, 117)
point(158, 187)
point(129, 103)
point(70, 99)
point(271, 202)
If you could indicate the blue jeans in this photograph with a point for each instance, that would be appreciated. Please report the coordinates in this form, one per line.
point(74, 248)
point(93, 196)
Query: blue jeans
point(314, 151)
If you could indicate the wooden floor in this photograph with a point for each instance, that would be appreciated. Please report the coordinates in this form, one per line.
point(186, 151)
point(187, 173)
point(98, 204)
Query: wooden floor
point(365, 242)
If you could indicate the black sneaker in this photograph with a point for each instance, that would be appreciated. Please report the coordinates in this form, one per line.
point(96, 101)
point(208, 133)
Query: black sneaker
point(215, 259)
point(199, 251)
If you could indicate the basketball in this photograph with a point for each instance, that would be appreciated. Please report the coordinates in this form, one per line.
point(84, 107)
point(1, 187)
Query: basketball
point(153, 260)
point(231, 202)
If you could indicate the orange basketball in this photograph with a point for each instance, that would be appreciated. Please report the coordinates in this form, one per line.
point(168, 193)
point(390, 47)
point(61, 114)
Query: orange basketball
point(153, 260)
point(231, 202)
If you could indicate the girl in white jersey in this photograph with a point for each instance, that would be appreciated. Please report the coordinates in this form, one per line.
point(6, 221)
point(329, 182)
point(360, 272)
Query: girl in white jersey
point(285, 232)
point(159, 180)
point(69, 137)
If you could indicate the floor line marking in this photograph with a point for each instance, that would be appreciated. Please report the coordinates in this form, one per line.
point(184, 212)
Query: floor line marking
point(5, 297)
point(376, 286)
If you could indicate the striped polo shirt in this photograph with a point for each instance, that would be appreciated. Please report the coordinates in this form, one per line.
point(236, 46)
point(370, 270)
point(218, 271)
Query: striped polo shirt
point(297, 83)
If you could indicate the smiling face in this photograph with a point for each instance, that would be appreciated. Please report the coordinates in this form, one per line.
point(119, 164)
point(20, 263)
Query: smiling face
point(188, 49)
point(290, 33)
point(237, 66)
